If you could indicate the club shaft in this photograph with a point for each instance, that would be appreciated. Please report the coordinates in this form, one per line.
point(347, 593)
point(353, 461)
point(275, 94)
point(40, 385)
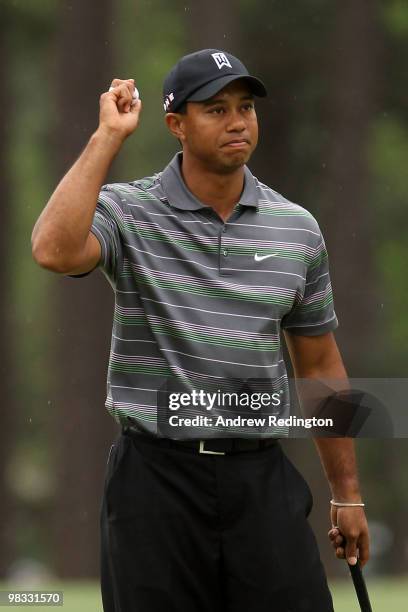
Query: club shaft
point(360, 587)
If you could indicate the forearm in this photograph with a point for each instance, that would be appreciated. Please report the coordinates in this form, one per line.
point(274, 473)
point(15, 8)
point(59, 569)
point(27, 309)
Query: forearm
point(320, 372)
point(63, 226)
point(336, 454)
point(339, 462)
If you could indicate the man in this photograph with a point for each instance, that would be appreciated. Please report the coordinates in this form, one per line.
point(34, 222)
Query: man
point(207, 265)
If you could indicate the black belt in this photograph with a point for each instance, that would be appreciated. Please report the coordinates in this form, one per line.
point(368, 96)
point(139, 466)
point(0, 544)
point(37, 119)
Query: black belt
point(212, 446)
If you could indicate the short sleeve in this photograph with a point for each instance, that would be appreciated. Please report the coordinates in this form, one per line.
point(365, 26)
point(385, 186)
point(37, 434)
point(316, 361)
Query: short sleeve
point(106, 226)
point(314, 314)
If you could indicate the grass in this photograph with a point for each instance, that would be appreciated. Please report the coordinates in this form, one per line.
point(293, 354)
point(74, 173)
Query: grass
point(387, 595)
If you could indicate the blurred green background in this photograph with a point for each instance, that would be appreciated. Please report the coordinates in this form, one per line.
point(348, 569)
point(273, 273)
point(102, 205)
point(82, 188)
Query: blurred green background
point(387, 594)
point(333, 137)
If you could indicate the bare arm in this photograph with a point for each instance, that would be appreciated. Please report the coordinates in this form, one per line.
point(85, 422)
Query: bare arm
point(61, 238)
point(319, 357)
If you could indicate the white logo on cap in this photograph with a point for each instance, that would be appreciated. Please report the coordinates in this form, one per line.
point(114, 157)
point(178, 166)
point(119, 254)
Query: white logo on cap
point(168, 100)
point(221, 60)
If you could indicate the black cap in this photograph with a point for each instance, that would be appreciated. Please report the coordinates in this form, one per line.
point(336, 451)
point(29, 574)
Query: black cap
point(200, 75)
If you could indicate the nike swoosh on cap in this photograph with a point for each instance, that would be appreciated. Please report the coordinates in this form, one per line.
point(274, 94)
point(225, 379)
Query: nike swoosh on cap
point(262, 257)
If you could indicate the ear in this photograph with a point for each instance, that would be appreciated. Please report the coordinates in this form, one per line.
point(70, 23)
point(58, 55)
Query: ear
point(175, 123)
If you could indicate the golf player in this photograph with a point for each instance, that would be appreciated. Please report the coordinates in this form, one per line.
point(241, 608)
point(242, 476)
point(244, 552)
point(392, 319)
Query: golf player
point(208, 266)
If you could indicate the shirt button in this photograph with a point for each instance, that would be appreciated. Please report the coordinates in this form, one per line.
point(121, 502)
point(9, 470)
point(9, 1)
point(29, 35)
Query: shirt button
point(225, 252)
point(224, 229)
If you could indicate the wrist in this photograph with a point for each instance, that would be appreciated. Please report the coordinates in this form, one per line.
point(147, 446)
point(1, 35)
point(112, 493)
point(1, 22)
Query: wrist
point(346, 491)
point(108, 137)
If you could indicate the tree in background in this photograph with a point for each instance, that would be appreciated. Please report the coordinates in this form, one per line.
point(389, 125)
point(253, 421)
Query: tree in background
point(8, 414)
point(213, 25)
point(83, 308)
point(352, 102)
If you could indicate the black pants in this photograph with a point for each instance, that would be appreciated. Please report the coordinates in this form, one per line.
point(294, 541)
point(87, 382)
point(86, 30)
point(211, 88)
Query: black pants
point(186, 532)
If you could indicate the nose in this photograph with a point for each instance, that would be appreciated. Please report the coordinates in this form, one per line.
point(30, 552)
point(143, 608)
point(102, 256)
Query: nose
point(236, 123)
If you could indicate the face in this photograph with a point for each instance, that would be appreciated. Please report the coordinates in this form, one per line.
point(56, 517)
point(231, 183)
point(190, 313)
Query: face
point(220, 133)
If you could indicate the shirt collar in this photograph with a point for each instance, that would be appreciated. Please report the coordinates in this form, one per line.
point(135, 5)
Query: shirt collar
point(179, 195)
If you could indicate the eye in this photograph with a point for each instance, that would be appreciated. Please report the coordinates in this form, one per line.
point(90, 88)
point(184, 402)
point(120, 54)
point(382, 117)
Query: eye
point(218, 110)
point(249, 106)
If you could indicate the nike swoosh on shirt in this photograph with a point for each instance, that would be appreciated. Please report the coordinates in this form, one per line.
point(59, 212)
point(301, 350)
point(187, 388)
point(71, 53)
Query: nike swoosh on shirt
point(262, 257)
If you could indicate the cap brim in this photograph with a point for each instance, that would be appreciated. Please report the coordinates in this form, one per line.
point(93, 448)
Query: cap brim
point(210, 89)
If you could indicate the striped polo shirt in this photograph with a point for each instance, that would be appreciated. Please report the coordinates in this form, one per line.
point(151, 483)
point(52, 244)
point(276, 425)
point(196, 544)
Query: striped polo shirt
point(202, 300)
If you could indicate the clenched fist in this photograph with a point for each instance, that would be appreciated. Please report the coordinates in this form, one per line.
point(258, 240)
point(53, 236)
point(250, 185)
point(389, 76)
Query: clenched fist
point(117, 113)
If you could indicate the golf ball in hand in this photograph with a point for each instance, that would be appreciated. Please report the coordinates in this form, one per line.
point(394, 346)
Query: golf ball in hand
point(135, 97)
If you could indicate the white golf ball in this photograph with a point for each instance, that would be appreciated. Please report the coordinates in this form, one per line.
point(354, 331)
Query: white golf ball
point(135, 96)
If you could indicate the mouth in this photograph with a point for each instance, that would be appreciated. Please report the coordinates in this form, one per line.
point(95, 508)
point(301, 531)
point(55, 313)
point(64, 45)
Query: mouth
point(236, 143)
